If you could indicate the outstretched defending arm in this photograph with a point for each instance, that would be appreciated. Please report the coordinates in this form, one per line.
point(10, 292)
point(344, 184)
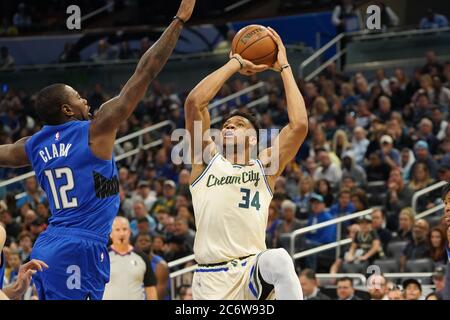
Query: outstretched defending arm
point(291, 137)
point(113, 112)
point(14, 155)
point(196, 105)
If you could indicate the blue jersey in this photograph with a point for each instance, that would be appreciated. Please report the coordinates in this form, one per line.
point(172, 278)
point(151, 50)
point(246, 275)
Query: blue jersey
point(82, 190)
point(2, 268)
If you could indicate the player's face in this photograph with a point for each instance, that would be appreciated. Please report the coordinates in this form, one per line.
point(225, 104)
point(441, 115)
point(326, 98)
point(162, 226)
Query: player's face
point(78, 104)
point(237, 131)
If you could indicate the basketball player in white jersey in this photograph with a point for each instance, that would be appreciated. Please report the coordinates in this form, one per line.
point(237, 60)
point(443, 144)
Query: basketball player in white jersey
point(231, 192)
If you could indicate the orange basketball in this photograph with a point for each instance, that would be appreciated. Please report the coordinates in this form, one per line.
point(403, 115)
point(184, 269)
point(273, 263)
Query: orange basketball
point(254, 43)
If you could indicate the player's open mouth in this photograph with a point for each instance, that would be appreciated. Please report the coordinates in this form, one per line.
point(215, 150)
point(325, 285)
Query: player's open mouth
point(228, 134)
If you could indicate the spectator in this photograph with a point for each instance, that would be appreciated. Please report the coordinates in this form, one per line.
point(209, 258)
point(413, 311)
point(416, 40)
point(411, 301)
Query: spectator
point(425, 133)
point(289, 222)
point(407, 159)
point(145, 194)
point(439, 123)
point(438, 279)
point(398, 196)
point(12, 227)
point(159, 266)
point(441, 94)
point(22, 19)
point(359, 144)
point(306, 188)
point(139, 213)
point(25, 245)
point(366, 246)
point(177, 249)
point(323, 187)
point(350, 168)
point(422, 153)
point(328, 170)
point(272, 224)
point(344, 206)
point(377, 286)
point(136, 282)
point(418, 248)
point(186, 292)
point(433, 20)
point(346, 17)
point(406, 223)
point(359, 200)
point(377, 169)
point(168, 198)
point(319, 215)
point(379, 225)
point(103, 53)
point(310, 287)
point(436, 243)
point(388, 17)
point(345, 290)
point(34, 195)
point(336, 267)
point(389, 154)
point(340, 143)
point(6, 59)
point(395, 293)
point(412, 289)
point(182, 230)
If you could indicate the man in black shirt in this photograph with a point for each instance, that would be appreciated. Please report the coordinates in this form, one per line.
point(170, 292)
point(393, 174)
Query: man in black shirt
point(417, 248)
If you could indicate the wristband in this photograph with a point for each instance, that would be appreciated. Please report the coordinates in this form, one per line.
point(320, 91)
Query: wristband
point(181, 20)
point(284, 66)
point(238, 60)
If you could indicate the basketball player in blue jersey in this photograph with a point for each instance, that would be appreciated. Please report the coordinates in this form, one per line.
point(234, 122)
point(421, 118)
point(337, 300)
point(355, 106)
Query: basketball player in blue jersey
point(72, 156)
point(232, 191)
point(18, 288)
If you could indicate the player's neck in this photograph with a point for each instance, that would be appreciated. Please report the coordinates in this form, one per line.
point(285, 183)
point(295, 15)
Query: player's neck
point(238, 159)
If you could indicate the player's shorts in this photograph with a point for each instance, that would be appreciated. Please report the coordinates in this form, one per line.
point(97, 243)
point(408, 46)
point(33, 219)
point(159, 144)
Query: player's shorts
point(238, 279)
point(78, 263)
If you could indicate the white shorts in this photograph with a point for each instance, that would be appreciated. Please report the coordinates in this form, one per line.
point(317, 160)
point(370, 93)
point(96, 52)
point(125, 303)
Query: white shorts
point(234, 280)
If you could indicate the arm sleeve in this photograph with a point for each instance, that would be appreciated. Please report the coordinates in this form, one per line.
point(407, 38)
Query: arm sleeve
point(149, 276)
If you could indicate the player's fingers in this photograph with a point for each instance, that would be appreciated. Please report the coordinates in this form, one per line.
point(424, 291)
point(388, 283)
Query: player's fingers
point(275, 33)
point(274, 38)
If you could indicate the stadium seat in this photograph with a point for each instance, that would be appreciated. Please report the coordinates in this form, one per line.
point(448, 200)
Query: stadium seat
point(434, 220)
point(387, 265)
point(395, 249)
point(419, 265)
point(354, 267)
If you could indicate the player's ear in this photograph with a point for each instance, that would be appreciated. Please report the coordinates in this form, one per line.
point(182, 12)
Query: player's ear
point(253, 141)
point(67, 110)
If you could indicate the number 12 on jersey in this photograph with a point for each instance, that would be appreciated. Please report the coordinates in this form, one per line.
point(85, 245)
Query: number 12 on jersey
point(63, 189)
point(246, 199)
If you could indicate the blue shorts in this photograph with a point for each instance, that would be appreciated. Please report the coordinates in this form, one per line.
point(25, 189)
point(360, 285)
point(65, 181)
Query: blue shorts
point(78, 263)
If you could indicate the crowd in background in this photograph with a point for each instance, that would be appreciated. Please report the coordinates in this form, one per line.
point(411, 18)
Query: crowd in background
point(372, 142)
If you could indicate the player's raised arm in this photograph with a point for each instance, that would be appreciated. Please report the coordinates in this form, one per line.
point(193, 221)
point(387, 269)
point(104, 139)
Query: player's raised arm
point(113, 112)
point(196, 105)
point(14, 155)
point(291, 137)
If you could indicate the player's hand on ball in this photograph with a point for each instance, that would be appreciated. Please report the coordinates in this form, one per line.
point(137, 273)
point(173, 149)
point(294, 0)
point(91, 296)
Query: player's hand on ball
point(282, 56)
point(248, 68)
point(186, 9)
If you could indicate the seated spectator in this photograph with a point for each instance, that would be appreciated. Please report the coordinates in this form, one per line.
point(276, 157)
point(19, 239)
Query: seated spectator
point(344, 205)
point(426, 133)
point(350, 168)
point(6, 59)
point(440, 96)
point(145, 194)
point(377, 170)
point(433, 20)
point(405, 223)
point(437, 244)
point(318, 215)
point(352, 230)
point(289, 222)
point(306, 188)
point(125, 51)
point(168, 197)
point(366, 245)
point(423, 154)
point(310, 286)
point(345, 290)
point(140, 212)
point(379, 225)
point(438, 279)
point(25, 245)
point(412, 289)
point(69, 54)
point(389, 154)
point(323, 187)
point(182, 230)
point(398, 196)
point(384, 111)
point(273, 222)
point(418, 248)
point(340, 143)
point(421, 108)
point(34, 194)
point(377, 287)
point(359, 200)
point(407, 159)
point(394, 292)
point(359, 145)
point(159, 245)
point(328, 170)
point(186, 292)
point(177, 248)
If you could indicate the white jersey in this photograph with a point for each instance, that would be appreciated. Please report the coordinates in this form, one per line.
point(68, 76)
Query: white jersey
point(231, 205)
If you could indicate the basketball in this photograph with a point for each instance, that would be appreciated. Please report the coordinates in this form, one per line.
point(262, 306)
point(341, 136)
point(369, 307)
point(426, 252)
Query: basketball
point(254, 43)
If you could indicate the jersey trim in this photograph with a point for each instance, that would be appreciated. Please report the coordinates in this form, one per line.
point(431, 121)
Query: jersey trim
point(264, 175)
point(206, 169)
